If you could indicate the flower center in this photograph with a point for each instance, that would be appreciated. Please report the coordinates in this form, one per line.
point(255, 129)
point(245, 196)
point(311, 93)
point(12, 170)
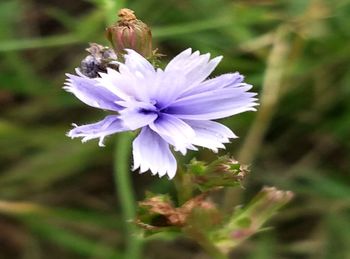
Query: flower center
point(153, 108)
point(148, 111)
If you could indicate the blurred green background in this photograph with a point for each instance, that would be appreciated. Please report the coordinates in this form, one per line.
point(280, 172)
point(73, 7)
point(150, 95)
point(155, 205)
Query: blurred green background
point(57, 198)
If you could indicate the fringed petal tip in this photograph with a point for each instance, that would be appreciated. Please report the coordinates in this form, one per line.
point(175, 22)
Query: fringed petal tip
point(70, 133)
point(152, 153)
point(210, 134)
point(100, 142)
point(183, 149)
point(216, 60)
point(85, 139)
point(169, 174)
point(99, 130)
point(78, 74)
point(238, 76)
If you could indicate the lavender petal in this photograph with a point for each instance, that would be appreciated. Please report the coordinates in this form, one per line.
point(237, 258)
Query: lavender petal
point(174, 130)
point(222, 81)
point(134, 119)
point(88, 91)
point(137, 63)
point(151, 152)
point(210, 134)
point(214, 105)
point(194, 66)
point(109, 125)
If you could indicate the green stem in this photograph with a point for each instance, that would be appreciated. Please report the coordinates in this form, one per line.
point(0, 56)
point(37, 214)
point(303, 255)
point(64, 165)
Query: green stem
point(43, 42)
point(269, 98)
point(205, 243)
point(183, 186)
point(126, 195)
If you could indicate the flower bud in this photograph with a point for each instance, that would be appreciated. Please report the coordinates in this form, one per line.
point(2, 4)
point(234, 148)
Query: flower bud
point(223, 172)
point(249, 220)
point(157, 212)
point(130, 33)
point(98, 60)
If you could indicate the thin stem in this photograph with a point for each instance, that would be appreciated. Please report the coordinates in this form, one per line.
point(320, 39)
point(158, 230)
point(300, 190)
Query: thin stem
point(268, 101)
point(205, 243)
point(126, 195)
point(269, 96)
point(43, 42)
point(183, 186)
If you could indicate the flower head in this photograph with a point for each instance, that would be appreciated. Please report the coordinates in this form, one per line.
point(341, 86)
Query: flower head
point(172, 107)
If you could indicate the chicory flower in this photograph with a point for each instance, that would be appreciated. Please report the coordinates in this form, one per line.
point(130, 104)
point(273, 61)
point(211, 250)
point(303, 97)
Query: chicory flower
point(172, 107)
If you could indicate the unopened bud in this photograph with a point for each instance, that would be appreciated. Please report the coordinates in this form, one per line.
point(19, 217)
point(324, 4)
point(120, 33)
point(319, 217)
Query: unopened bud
point(249, 220)
point(223, 172)
point(158, 211)
point(232, 167)
point(130, 33)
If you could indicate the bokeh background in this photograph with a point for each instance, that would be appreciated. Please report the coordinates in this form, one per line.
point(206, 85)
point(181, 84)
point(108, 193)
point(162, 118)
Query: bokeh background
point(57, 198)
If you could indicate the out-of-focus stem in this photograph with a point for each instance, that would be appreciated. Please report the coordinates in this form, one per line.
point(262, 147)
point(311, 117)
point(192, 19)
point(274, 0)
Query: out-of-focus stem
point(183, 186)
point(42, 42)
point(268, 101)
point(261, 208)
point(257, 43)
point(21, 208)
point(126, 194)
point(205, 243)
point(268, 97)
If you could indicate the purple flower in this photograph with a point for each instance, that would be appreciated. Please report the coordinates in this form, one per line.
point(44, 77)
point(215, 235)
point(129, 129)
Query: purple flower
point(174, 106)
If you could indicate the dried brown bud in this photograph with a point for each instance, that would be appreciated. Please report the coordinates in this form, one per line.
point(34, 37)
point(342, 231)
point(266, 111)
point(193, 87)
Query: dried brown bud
point(98, 60)
point(175, 216)
point(130, 33)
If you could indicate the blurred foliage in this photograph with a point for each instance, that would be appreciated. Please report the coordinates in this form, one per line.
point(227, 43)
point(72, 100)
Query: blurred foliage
point(57, 195)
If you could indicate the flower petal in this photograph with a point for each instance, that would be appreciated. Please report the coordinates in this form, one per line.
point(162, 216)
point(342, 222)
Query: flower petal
point(109, 125)
point(166, 87)
point(214, 105)
point(133, 78)
point(137, 63)
point(222, 81)
point(175, 131)
point(88, 91)
point(194, 66)
point(123, 86)
point(210, 134)
point(137, 118)
point(181, 59)
point(151, 152)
